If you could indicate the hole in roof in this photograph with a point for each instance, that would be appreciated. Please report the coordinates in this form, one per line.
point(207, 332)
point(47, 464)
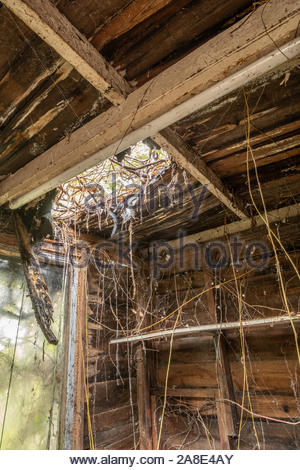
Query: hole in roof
point(111, 188)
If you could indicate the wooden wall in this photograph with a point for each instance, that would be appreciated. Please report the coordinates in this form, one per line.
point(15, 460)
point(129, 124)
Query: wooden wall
point(112, 381)
point(262, 362)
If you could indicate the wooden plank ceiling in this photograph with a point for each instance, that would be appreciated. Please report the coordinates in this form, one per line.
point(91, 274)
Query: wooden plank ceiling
point(43, 99)
point(218, 135)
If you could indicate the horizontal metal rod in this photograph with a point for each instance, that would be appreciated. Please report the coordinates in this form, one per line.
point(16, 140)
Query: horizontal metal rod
point(213, 328)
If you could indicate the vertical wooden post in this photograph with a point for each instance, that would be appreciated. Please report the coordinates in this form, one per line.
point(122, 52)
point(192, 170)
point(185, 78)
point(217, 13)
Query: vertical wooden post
point(79, 360)
point(153, 403)
point(72, 415)
point(143, 368)
point(226, 412)
point(143, 397)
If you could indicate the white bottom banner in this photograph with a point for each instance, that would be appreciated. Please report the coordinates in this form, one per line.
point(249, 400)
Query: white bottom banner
point(43, 460)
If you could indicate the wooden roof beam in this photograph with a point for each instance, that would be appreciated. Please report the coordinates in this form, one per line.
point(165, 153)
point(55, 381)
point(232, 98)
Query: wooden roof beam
point(37, 18)
point(193, 164)
point(50, 25)
point(276, 215)
point(218, 67)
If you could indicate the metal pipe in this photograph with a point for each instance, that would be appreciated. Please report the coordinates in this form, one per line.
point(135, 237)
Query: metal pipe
point(213, 328)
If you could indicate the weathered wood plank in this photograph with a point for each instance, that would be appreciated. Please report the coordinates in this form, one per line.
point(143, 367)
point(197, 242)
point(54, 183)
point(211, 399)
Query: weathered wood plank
point(45, 20)
point(122, 443)
point(240, 226)
point(191, 162)
point(112, 393)
point(188, 392)
point(79, 357)
point(225, 411)
point(143, 400)
point(27, 76)
point(271, 435)
point(180, 29)
point(257, 139)
point(105, 438)
point(154, 421)
point(73, 396)
point(275, 151)
point(103, 421)
point(136, 12)
point(9, 245)
point(270, 404)
point(269, 374)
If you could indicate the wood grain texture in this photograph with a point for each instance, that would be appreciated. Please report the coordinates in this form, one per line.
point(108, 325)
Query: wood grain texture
point(143, 400)
point(79, 358)
point(228, 52)
point(135, 13)
point(45, 20)
point(200, 17)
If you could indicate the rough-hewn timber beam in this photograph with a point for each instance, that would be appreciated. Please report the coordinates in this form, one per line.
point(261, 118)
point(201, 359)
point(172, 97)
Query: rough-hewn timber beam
point(35, 17)
point(223, 64)
point(47, 22)
point(193, 164)
point(276, 215)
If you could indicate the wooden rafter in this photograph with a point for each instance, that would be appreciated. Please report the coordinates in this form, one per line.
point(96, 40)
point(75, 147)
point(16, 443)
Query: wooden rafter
point(168, 140)
point(172, 95)
point(47, 22)
point(276, 215)
point(187, 159)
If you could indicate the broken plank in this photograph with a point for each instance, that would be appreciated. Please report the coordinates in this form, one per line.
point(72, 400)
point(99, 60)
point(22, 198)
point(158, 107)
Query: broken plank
point(38, 290)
